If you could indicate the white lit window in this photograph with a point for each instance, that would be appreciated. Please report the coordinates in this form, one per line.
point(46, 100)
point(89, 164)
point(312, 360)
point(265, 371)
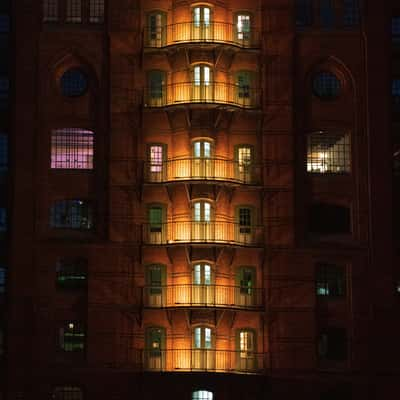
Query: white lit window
point(202, 274)
point(202, 338)
point(243, 27)
point(201, 16)
point(156, 158)
point(246, 343)
point(202, 211)
point(202, 395)
point(202, 75)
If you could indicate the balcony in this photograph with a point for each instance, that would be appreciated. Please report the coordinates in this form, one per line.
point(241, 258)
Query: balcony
point(214, 93)
point(192, 232)
point(202, 169)
point(203, 296)
point(200, 360)
point(189, 32)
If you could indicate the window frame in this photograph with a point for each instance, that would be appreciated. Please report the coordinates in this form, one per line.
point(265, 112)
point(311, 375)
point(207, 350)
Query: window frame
point(325, 279)
point(81, 332)
point(78, 266)
point(74, 12)
point(87, 213)
point(247, 36)
point(317, 85)
point(158, 41)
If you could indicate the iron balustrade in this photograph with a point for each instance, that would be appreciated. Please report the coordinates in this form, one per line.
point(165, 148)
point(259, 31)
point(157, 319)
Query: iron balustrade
point(213, 169)
point(181, 232)
point(189, 32)
point(211, 93)
point(192, 295)
point(202, 360)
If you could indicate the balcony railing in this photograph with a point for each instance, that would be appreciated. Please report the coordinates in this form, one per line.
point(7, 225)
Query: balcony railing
point(210, 169)
point(214, 296)
point(203, 232)
point(189, 32)
point(202, 360)
point(213, 93)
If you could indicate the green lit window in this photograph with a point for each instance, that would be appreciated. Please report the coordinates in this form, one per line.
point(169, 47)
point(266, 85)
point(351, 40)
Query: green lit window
point(71, 273)
point(72, 337)
point(156, 218)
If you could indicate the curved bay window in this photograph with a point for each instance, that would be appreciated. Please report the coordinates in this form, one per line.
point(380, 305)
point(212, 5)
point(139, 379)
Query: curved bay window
point(155, 348)
point(203, 354)
point(201, 23)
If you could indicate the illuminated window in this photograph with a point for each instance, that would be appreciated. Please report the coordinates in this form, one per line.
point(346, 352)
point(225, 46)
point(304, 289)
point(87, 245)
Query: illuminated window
point(156, 218)
point(96, 11)
point(72, 337)
point(327, 12)
point(3, 152)
point(202, 211)
point(201, 17)
point(156, 154)
point(243, 27)
point(202, 274)
point(202, 395)
point(304, 13)
point(351, 12)
point(328, 153)
point(156, 29)
point(2, 280)
point(329, 219)
point(202, 75)
point(74, 11)
point(155, 345)
point(326, 85)
point(4, 92)
point(246, 343)
point(71, 214)
point(50, 10)
point(202, 338)
point(72, 148)
point(202, 149)
point(330, 280)
point(67, 393)
point(332, 344)
point(73, 83)
point(396, 29)
point(71, 273)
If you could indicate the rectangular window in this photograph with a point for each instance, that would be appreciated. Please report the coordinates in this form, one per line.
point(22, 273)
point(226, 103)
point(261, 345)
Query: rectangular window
point(74, 11)
point(67, 393)
point(304, 13)
point(244, 156)
point(157, 82)
point(4, 92)
point(243, 27)
point(156, 219)
point(3, 219)
point(4, 23)
point(155, 279)
point(396, 29)
point(71, 214)
point(244, 220)
point(96, 11)
point(71, 273)
point(2, 280)
point(50, 10)
point(351, 13)
point(326, 13)
point(3, 152)
point(246, 342)
point(156, 158)
point(332, 344)
point(72, 148)
point(246, 281)
point(243, 82)
point(328, 153)
point(72, 337)
point(330, 280)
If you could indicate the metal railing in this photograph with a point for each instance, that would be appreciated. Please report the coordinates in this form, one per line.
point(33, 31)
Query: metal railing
point(212, 93)
point(192, 295)
point(203, 232)
point(202, 360)
point(213, 169)
point(190, 32)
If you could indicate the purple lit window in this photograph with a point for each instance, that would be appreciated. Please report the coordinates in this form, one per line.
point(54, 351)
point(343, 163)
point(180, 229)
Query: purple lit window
point(156, 158)
point(72, 148)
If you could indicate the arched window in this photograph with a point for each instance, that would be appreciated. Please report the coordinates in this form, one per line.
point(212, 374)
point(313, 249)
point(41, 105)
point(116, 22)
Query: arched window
point(74, 83)
point(326, 85)
point(203, 353)
point(202, 395)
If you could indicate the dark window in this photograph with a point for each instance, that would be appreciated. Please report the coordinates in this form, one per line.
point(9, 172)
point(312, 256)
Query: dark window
point(243, 83)
point(2, 279)
point(3, 152)
point(96, 11)
point(326, 85)
point(72, 148)
point(67, 393)
point(396, 29)
point(73, 83)
point(71, 273)
point(155, 273)
point(246, 280)
point(332, 344)
point(351, 12)
point(396, 92)
point(330, 280)
point(50, 10)
point(74, 11)
point(71, 214)
point(72, 336)
point(328, 219)
point(4, 23)
point(3, 219)
point(326, 13)
point(328, 153)
point(156, 218)
point(157, 82)
point(4, 92)
point(304, 13)
point(245, 220)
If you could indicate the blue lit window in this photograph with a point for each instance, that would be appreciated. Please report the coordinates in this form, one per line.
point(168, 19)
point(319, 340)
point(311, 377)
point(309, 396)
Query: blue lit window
point(304, 13)
point(4, 23)
point(3, 152)
point(2, 279)
point(396, 29)
point(351, 13)
point(396, 92)
point(326, 13)
point(3, 219)
point(73, 83)
point(326, 85)
point(71, 214)
point(4, 92)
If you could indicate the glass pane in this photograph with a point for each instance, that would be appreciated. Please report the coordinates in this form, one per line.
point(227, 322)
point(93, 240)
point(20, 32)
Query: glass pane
point(197, 274)
point(207, 274)
point(197, 76)
point(196, 16)
point(197, 149)
point(197, 338)
point(207, 149)
point(155, 215)
point(207, 212)
point(207, 338)
point(197, 212)
point(207, 16)
point(156, 158)
point(207, 76)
